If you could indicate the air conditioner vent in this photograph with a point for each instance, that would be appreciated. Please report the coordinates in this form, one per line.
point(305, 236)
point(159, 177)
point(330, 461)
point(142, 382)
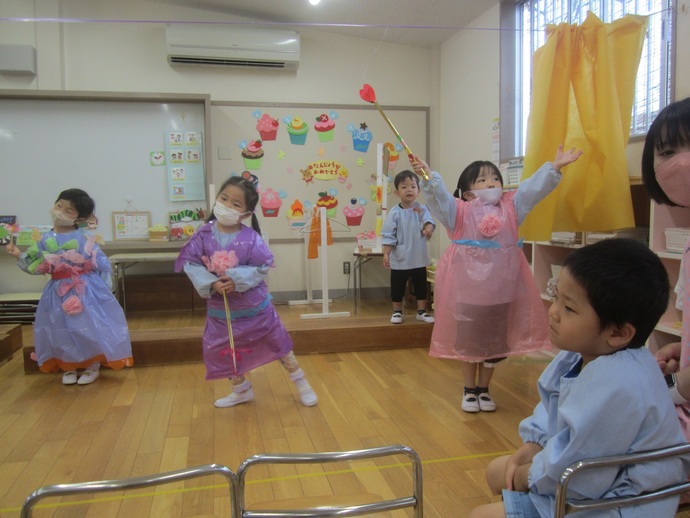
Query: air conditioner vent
point(178, 60)
point(232, 47)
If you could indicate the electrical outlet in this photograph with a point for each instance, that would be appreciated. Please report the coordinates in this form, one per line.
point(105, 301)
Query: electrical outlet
point(346, 268)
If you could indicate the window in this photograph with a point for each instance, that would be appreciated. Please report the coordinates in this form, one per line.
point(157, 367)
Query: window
point(653, 85)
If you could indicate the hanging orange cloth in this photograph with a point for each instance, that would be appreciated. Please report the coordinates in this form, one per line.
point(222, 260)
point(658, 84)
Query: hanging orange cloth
point(583, 86)
point(315, 235)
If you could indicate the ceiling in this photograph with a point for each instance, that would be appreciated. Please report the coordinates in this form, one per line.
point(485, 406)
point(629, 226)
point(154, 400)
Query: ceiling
point(420, 23)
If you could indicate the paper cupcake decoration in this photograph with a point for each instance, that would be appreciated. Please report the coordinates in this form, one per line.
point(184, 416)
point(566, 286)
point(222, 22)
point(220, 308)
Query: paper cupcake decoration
point(361, 138)
point(270, 203)
point(329, 202)
point(393, 155)
point(325, 128)
point(297, 130)
point(267, 127)
point(253, 155)
point(297, 215)
point(354, 211)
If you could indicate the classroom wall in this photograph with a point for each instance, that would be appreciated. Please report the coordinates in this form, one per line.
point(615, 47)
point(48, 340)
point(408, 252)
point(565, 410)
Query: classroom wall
point(459, 82)
point(131, 57)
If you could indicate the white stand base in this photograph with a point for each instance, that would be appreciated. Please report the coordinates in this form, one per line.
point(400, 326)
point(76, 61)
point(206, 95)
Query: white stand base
point(336, 314)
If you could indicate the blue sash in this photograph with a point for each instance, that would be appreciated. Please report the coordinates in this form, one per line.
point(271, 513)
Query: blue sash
point(240, 313)
point(482, 243)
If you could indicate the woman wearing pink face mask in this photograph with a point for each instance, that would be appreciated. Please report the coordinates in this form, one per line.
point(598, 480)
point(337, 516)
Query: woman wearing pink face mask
point(666, 174)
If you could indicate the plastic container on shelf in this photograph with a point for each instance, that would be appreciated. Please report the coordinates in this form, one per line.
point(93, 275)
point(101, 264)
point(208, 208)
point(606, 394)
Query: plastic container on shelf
point(636, 233)
point(677, 239)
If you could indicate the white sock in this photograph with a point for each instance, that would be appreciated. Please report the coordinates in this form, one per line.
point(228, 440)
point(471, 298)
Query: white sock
point(242, 387)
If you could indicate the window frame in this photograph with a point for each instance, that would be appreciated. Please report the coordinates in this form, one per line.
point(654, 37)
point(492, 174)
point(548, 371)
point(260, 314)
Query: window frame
point(512, 140)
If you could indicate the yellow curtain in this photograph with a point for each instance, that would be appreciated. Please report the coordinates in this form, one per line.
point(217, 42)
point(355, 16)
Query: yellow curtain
point(582, 94)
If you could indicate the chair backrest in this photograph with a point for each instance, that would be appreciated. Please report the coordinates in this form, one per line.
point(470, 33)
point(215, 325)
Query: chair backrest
point(131, 483)
point(565, 506)
point(415, 500)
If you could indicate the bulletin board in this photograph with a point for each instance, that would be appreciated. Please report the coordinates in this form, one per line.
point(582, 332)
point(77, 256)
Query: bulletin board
point(312, 155)
point(111, 145)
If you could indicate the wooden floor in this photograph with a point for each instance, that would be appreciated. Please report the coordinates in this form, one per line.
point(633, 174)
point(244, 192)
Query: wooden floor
point(148, 420)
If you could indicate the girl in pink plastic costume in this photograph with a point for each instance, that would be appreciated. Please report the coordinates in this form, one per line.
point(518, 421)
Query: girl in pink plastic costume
point(79, 324)
point(488, 306)
point(226, 257)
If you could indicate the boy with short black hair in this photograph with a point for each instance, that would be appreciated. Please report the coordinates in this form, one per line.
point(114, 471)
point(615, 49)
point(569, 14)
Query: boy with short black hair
point(404, 236)
point(602, 395)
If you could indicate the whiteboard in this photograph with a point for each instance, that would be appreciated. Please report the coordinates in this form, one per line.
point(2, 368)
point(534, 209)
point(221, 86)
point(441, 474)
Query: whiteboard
point(103, 146)
point(281, 171)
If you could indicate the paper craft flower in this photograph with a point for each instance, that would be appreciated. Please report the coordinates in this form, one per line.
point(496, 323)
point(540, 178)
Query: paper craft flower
point(72, 306)
point(220, 261)
point(490, 225)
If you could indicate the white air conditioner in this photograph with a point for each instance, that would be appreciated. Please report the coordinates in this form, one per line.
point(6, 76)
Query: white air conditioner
point(232, 46)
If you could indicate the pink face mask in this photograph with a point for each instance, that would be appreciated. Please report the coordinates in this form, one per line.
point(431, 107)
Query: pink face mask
point(674, 178)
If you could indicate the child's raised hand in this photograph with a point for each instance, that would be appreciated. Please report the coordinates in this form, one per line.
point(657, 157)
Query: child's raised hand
point(563, 158)
point(419, 166)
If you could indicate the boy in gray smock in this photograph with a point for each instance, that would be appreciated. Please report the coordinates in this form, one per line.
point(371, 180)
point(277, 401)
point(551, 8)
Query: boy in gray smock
point(404, 235)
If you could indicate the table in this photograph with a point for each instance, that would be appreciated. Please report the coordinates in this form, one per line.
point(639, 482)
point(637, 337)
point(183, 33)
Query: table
point(361, 258)
point(121, 262)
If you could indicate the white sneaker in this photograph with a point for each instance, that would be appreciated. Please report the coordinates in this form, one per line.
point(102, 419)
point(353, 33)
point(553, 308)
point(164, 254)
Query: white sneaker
point(425, 317)
point(69, 378)
point(235, 398)
point(307, 396)
point(89, 376)
point(486, 404)
point(470, 403)
point(396, 318)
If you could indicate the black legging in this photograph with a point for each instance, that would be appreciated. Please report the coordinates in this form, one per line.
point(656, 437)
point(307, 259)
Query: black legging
point(399, 282)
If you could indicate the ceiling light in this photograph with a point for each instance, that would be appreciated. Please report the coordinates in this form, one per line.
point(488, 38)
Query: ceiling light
point(314, 2)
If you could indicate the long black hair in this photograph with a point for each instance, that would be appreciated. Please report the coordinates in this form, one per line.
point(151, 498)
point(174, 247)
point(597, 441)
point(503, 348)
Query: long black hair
point(251, 198)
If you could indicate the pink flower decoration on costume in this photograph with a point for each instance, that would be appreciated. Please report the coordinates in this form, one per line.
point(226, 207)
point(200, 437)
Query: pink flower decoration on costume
point(220, 261)
point(490, 225)
point(72, 306)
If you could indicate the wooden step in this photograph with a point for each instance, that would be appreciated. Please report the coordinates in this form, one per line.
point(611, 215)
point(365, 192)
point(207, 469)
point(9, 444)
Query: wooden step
point(333, 335)
point(10, 340)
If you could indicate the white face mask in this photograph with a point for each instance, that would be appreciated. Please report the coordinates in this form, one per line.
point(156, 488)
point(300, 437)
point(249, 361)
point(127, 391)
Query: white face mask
point(60, 219)
point(488, 196)
point(227, 216)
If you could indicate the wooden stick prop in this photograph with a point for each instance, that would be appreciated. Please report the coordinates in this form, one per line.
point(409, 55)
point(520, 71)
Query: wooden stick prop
point(232, 341)
point(368, 94)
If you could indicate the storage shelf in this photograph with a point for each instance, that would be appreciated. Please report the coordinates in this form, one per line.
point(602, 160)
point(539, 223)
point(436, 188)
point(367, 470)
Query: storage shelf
point(669, 328)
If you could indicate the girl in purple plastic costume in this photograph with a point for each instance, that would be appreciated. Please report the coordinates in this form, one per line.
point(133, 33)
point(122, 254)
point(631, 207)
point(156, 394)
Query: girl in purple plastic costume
point(226, 257)
point(487, 303)
point(79, 324)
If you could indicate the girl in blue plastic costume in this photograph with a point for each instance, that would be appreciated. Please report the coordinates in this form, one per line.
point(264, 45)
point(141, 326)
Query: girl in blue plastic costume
point(229, 261)
point(79, 324)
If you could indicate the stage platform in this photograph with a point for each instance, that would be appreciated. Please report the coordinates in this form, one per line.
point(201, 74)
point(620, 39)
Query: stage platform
point(172, 337)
